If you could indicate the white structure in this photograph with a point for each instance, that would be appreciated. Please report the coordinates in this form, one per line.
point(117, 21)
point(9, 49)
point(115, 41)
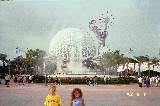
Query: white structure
point(15, 53)
point(1, 63)
point(72, 42)
point(143, 67)
point(73, 45)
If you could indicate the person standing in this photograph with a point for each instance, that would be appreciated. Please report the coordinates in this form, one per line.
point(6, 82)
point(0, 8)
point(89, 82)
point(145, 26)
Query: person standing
point(7, 80)
point(59, 80)
point(145, 80)
point(27, 79)
point(49, 79)
point(109, 80)
point(156, 82)
point(91, 81)
point(56, 80)
point(76, 98)
point(151, 81)
point(148, 82)
point(140, 82)
point(95, 79)
point(30, 79)
point(53, 99)
point(105, 79)
point(24, 80)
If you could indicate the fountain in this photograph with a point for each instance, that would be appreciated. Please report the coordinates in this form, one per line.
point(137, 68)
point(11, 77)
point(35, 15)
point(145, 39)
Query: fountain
point(72, 46)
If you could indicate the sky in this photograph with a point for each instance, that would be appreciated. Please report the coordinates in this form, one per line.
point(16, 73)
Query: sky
point(33, 23)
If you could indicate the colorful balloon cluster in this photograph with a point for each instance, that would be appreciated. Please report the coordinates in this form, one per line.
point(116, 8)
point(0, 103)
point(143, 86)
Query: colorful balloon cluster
point(101, 35)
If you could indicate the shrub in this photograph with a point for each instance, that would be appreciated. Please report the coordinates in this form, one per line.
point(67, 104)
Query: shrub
point(124, 80)
point(38, 79)
point(83, 80)
point(74, 80)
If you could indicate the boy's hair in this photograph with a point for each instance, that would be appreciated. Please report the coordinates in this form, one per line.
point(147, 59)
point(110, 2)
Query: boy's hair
point(52, 86)
point(74, 90)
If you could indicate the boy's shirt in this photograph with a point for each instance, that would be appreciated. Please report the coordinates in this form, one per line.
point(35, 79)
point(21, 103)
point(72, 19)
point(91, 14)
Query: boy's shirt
point(53, 100)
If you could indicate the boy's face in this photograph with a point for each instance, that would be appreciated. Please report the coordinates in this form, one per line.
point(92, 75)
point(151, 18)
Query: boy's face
point(76, 94)
point(52, 90)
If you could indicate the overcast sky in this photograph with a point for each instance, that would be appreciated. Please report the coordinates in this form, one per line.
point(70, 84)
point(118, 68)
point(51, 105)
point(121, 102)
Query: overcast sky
point(33, 23)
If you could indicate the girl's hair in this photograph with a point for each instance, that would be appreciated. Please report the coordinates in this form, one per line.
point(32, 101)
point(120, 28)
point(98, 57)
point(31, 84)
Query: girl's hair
point(52, 86)
point(74, 90)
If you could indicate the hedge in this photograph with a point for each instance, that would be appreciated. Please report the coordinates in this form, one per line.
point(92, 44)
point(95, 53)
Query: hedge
point(83, 80)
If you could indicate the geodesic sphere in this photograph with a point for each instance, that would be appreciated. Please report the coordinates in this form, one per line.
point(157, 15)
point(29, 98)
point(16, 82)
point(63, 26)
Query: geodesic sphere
point(72, 42)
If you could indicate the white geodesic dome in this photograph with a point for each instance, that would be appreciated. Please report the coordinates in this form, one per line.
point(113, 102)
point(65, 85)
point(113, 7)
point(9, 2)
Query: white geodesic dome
point(72, 43)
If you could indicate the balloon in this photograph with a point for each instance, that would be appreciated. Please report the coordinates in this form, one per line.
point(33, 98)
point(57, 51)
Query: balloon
point(97, 31)
point(95, 27)
point(101, 35)
point(92, 22)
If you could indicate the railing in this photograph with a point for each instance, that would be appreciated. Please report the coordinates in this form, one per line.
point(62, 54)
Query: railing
point(87, 73)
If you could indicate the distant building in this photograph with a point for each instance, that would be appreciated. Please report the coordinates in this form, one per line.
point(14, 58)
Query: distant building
point(135, 67)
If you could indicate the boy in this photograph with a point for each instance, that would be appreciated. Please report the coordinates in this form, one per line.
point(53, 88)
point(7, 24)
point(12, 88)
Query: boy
point(53, 99)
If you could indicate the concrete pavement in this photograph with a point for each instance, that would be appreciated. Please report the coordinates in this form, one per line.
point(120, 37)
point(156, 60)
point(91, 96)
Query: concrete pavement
point(100, 95)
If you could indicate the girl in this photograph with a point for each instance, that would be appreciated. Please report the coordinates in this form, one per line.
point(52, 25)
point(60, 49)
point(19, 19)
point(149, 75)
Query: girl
point(53, 99)
point(76, 98)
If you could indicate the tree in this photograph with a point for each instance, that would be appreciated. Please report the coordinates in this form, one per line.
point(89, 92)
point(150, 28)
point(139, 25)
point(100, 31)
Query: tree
point(35, 59)
point(112, 59)
point(3, 57)
point(154, 60)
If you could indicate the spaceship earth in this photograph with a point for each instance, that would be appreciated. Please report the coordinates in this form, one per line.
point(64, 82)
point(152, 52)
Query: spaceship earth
point(72, 43)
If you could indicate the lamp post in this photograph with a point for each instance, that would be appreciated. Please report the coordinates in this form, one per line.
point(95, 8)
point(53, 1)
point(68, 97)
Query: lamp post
point(9, 68)
point(158, 54)
point(148, 64)
point(44, 70)
point(45, 73)
point(46, 80)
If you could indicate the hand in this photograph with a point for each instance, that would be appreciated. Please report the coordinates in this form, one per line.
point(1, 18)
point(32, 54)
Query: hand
point(71, 98)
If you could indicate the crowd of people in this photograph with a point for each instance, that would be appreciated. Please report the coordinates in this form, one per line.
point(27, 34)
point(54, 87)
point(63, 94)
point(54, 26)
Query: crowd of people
point(148, 81)
point(17, 79)
point(145, 81)
point(22, 79)
point(92, 81)
point(57, 80)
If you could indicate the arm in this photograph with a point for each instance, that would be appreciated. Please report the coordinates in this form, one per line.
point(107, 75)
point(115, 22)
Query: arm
point(59, 101)
point(45, 103)
point(71, 101)
point(83, 104)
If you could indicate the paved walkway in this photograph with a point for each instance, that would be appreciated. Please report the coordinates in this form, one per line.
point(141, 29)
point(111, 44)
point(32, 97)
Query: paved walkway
point(100, 95)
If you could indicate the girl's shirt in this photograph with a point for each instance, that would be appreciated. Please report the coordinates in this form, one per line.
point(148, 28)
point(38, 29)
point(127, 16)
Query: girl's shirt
point(77, 102)
point(53, 100)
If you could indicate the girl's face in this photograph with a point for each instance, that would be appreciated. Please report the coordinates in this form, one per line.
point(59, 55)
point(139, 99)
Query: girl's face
point(76, 94)
point(52, 91)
